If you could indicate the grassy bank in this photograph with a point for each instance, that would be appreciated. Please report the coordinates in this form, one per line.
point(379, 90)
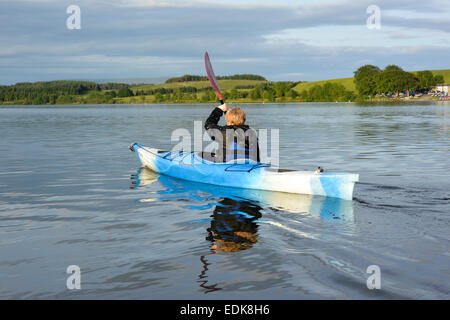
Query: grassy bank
point(233, 90)
point(346, 82)
point(349, 84)
point(223, 84)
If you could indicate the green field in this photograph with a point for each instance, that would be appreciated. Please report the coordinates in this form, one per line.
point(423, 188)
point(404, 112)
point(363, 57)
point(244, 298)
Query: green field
point(233, 90)
point(346, 82)
point(228, 85)
point(350, 85)
point(444, 73)
point(223, 84)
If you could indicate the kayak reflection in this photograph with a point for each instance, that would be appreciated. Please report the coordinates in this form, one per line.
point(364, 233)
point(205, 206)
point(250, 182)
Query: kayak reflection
point(325, 207)
point(232, 224)
point(237, 213)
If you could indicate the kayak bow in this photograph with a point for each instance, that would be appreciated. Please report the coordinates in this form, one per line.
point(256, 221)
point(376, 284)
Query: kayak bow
point(255, 175)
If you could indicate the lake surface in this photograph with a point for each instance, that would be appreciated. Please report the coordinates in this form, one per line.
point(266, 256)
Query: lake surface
point(71, 193)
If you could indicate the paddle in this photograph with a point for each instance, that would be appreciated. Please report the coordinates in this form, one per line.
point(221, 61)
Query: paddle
point(212, 77)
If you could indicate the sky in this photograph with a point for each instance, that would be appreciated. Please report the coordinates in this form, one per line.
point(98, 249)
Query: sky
point(280, 40)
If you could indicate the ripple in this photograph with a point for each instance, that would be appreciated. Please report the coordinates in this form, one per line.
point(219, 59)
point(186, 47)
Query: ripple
point(137, 235)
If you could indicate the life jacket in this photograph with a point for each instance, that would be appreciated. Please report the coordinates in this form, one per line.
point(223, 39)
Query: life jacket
point(241, 146)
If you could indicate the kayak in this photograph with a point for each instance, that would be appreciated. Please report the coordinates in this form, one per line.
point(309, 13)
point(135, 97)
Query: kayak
point(249, 175)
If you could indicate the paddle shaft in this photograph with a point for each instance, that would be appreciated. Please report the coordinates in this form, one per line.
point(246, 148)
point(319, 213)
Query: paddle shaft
point(212, 77)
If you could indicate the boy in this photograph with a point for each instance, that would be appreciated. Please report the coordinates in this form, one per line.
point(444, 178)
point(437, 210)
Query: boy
point(239, 142)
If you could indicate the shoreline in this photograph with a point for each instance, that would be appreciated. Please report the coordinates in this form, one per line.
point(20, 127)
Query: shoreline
point(390, 101)
point(135, 100)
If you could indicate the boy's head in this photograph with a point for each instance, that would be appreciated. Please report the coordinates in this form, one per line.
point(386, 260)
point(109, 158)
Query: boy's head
point(235, 116)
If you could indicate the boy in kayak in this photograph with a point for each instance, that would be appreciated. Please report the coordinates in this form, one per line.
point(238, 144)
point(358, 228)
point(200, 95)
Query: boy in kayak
point(237, 141)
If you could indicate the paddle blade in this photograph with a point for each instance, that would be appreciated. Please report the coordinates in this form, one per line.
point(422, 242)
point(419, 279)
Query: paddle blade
point(211, 76)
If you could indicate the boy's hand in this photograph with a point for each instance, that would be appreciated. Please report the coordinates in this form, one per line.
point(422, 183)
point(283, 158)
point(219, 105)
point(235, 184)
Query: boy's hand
point(223, 107)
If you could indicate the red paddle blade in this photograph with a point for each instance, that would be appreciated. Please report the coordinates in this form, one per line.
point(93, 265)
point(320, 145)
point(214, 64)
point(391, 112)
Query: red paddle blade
point(211, 76)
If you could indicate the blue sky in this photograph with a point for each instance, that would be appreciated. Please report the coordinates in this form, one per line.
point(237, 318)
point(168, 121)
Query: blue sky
point(281, 40)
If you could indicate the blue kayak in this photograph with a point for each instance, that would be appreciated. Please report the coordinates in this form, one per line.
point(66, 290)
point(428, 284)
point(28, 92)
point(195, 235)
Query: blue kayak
point(250, 175)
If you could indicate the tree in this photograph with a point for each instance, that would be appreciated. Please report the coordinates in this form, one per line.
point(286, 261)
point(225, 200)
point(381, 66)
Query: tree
point(206, 97)
point(255, 94)
point(281, 88)
point(393, 67)
point(268, 94)
point(366, 79)
point(304, 95)
point(234, 94)
point(426, 79)
point(394, 79)
point(438, 79)
point(158, 97)
point(125, 92)
point(411, 82)
point(327, 92)
point(293, 94)
point(112, 93)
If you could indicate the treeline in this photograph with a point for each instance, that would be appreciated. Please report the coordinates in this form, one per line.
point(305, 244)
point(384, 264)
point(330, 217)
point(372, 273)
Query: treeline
point(270, 92)
point(371, 80)
point(329, 91)
point(70, 92)
point(273, 90)
point(190, 78)
point(242, 77)
point(52, 92)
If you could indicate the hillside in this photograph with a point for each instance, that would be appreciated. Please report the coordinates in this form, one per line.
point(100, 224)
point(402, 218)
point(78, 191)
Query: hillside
point(444, 73)
point(350, 85)
point(346, 82)
point(233, 90)
point(223, 84)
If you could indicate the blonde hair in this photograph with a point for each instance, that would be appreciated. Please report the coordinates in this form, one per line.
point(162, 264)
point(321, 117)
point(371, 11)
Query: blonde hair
point(236, 116)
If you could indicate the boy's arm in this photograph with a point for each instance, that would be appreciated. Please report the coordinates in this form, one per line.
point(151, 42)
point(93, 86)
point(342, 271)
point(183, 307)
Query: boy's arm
point(214, 117)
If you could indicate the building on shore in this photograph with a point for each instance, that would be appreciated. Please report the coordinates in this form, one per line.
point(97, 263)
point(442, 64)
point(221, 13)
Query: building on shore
point(444, 88)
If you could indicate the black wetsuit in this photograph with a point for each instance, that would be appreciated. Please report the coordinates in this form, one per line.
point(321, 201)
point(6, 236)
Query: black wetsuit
point(239, 142)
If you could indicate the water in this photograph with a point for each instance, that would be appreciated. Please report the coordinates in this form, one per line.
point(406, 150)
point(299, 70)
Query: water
point(72, 194)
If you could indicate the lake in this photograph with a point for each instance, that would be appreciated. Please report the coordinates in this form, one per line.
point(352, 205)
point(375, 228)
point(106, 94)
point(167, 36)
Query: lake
point(71, 193)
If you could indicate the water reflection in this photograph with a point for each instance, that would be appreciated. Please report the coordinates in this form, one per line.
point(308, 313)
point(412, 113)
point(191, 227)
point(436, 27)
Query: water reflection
point(238, 213)
point(233, 226)
point(203, 278)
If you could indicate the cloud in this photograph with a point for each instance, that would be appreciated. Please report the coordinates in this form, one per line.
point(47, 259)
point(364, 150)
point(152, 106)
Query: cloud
point(308, 40)
point(361, 37)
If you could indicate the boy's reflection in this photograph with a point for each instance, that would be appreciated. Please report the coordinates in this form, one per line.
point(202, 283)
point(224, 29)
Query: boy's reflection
point(233, 226)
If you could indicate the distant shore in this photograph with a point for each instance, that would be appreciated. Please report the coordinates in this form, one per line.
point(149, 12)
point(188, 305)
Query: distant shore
point(244, 88)
point(232, 103)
